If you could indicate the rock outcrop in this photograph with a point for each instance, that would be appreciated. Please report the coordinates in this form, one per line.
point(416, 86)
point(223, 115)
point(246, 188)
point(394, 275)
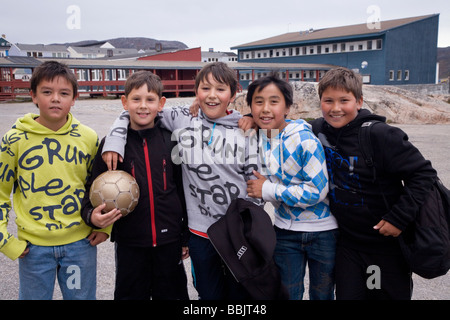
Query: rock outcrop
point(396, 104)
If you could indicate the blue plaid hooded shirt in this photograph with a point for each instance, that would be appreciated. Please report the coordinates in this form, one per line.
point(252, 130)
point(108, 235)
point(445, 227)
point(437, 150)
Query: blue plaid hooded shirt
point(297, 176)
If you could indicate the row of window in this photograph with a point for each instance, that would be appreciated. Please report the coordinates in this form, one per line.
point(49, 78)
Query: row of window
point(229, 59)
point(96, 74)
point(38, 54)
point(313, 49)
point(399, 75)
point(294, 75)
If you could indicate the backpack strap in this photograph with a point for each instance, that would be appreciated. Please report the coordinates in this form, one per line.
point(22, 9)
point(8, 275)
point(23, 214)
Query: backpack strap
point(365, 146)
point(317, 125)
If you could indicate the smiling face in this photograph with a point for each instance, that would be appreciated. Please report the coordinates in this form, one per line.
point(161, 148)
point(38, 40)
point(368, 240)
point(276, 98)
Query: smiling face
point(214, 97)
point(339, 107)
point(269, 108)
point(54, 99)
point(143, 107)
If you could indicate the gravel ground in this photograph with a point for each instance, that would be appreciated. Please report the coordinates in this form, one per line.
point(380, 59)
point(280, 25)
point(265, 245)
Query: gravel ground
point(99, 114)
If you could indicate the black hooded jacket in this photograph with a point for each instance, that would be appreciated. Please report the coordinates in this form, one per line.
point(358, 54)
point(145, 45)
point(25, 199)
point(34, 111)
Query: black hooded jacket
point(160, 216)
point(356, 199)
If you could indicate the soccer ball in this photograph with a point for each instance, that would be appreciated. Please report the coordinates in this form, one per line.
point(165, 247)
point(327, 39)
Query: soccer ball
point(117, 189)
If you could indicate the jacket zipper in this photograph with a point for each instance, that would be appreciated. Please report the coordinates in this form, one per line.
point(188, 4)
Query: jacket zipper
point(150, 192)
point(133, 173)
point(164, 174)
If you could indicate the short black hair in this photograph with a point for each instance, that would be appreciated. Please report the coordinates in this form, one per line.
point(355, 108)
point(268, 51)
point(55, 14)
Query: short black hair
point(139, 78)
point(221, 72)
point(50, 70)
point(261, 83)
point(342, 78)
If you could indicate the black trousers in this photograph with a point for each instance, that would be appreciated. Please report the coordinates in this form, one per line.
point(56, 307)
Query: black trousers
point(364, 276)
point(150, 273)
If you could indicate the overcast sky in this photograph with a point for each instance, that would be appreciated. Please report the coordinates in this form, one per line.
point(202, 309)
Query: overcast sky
point(199, 23)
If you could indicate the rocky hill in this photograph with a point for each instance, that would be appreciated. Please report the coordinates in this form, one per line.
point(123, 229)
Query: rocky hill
point(397, 105)
point(138, 43)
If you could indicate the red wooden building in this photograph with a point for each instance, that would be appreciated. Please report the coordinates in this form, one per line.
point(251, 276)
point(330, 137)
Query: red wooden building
point(177, 71)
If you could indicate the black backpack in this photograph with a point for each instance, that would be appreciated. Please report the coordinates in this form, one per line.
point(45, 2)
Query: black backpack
point(426, 241)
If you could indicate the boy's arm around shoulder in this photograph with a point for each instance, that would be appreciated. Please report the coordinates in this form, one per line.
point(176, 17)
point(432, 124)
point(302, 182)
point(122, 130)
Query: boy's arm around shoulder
point(402, 159)
point(312, 185)
point(116, 139)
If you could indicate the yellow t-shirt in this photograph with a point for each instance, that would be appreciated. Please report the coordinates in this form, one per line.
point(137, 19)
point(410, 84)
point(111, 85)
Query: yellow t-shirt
point(47, 172)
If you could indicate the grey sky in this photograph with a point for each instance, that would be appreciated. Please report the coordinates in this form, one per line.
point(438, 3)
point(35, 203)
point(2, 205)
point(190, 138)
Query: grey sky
point(198, 23)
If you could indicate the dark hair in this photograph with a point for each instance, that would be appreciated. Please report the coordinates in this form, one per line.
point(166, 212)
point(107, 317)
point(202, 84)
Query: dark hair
point(261, 83)
point(50, 70)
point(139, 78)
point(221, 73)
point(341, 78)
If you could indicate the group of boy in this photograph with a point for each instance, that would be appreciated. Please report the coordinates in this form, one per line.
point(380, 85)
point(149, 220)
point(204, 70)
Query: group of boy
point(329, 212)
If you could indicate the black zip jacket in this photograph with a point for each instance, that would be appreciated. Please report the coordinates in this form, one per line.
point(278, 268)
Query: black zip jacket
point(356, 199)
point(160, 216)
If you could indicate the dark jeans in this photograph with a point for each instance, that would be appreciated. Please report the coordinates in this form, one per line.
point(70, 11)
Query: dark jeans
point(294, 249)
point(211, 277)
point(143, 273)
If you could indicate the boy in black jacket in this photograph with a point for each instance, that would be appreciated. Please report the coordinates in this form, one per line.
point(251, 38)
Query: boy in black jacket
point(150, 240)
point(371, 210)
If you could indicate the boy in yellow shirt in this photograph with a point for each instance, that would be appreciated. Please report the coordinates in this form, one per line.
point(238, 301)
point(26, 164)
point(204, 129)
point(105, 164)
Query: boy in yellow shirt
point(45, 160)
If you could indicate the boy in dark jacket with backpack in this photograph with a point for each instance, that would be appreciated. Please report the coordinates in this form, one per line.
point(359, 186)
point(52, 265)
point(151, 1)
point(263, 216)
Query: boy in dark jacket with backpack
point(151, 241)
point(372, 205)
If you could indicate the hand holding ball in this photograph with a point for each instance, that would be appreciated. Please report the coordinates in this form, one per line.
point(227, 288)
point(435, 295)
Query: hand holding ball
point(117, 189)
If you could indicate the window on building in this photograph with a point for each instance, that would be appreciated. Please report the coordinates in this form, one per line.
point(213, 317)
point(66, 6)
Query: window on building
point(351, 47)
point(406, 75)
point(319, 49)
point(391, 75)
point(297, 51)
point(360, 47)
point(399, 75)
point(342, 47)
point(311, 50)
point(369, 45)
point(335, 46)
point(304, 50)
point(379, 44)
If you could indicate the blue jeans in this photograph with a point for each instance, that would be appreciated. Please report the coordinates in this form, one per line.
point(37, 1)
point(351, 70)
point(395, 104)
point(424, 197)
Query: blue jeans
point(74, 264)
point(211, 277)
point(294, 249)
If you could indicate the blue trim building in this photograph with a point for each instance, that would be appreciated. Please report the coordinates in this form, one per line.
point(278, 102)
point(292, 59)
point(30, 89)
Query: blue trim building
point(401, 51)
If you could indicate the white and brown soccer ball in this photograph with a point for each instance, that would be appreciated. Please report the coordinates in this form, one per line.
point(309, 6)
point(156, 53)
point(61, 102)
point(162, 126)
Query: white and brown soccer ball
point(118, 189)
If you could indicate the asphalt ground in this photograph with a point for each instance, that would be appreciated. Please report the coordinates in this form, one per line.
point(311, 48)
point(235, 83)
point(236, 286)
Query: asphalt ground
point(99, 114)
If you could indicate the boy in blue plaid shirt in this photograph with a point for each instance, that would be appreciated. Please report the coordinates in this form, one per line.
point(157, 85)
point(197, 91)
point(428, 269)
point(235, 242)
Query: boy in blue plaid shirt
point(297, 186)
